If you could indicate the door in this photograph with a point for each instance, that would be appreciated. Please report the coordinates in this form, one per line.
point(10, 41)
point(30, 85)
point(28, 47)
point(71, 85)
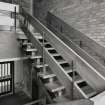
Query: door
point(6, 78)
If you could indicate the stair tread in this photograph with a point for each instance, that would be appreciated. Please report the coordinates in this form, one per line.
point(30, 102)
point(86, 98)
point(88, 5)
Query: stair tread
point(30, 49)
point(22, 37)
point(79, 81)
point(41, 65)
point(48, 45)
point(54, 86)
point(59, 59)
point(51, 48)
point(86, 88)
point(62, 62)
point(37, 35)
point(66, 66)
point(42, 40)
point(76, 76)
point(28, 43)
point(61, 99)
point(35, 57)
point(91, 94)
point(46, 75)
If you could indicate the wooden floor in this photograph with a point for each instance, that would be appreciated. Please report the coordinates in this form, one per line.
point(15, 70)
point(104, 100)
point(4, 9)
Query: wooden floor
point(16, 99)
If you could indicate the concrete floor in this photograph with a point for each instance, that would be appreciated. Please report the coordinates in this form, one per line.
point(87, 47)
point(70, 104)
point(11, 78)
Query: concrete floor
point(16, 99)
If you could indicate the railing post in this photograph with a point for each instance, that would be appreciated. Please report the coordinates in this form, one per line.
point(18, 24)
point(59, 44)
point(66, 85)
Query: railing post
point(81, 43)
point(73, 77)
point(43, 56)
point(12, 72)
point(15, 18)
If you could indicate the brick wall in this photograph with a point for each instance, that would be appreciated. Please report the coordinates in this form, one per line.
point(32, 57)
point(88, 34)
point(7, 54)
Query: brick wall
point(41, 7)
point(28, 5)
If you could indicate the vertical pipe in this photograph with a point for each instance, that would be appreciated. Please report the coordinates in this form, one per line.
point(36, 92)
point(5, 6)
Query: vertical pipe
point(81, 44)
point(1, 82)
point(12, 74)
point(15, 18)
point(7, 74)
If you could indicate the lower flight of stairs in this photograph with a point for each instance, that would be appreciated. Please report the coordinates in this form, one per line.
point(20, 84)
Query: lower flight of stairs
point(53, 86)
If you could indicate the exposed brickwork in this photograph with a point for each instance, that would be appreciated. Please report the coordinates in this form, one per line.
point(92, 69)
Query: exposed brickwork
point(41, 8)
point(89, 19)
point(88, 16)
point(27, 4)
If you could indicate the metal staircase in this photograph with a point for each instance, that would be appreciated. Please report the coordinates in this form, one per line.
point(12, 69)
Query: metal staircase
point(52, 84)
point(59, 75)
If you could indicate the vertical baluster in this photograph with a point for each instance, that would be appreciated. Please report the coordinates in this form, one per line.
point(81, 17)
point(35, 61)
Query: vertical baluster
point(15, 18)
point(6, 86)
point(44, 68)
point(6, 70)
point(0, 70)
point(81, 44)
point(73, 79)
point(9, 69)
point(3, 87)
point(9, 85)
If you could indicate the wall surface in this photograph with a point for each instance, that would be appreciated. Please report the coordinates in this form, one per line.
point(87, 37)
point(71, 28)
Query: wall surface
point(28, 5)
point(41, 7)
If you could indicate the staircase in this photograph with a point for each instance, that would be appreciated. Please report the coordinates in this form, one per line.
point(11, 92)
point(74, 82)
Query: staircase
point(50, 80)
point(58, 75)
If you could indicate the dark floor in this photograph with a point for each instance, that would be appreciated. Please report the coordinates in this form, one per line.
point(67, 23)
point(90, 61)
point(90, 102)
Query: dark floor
point(16, 99)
